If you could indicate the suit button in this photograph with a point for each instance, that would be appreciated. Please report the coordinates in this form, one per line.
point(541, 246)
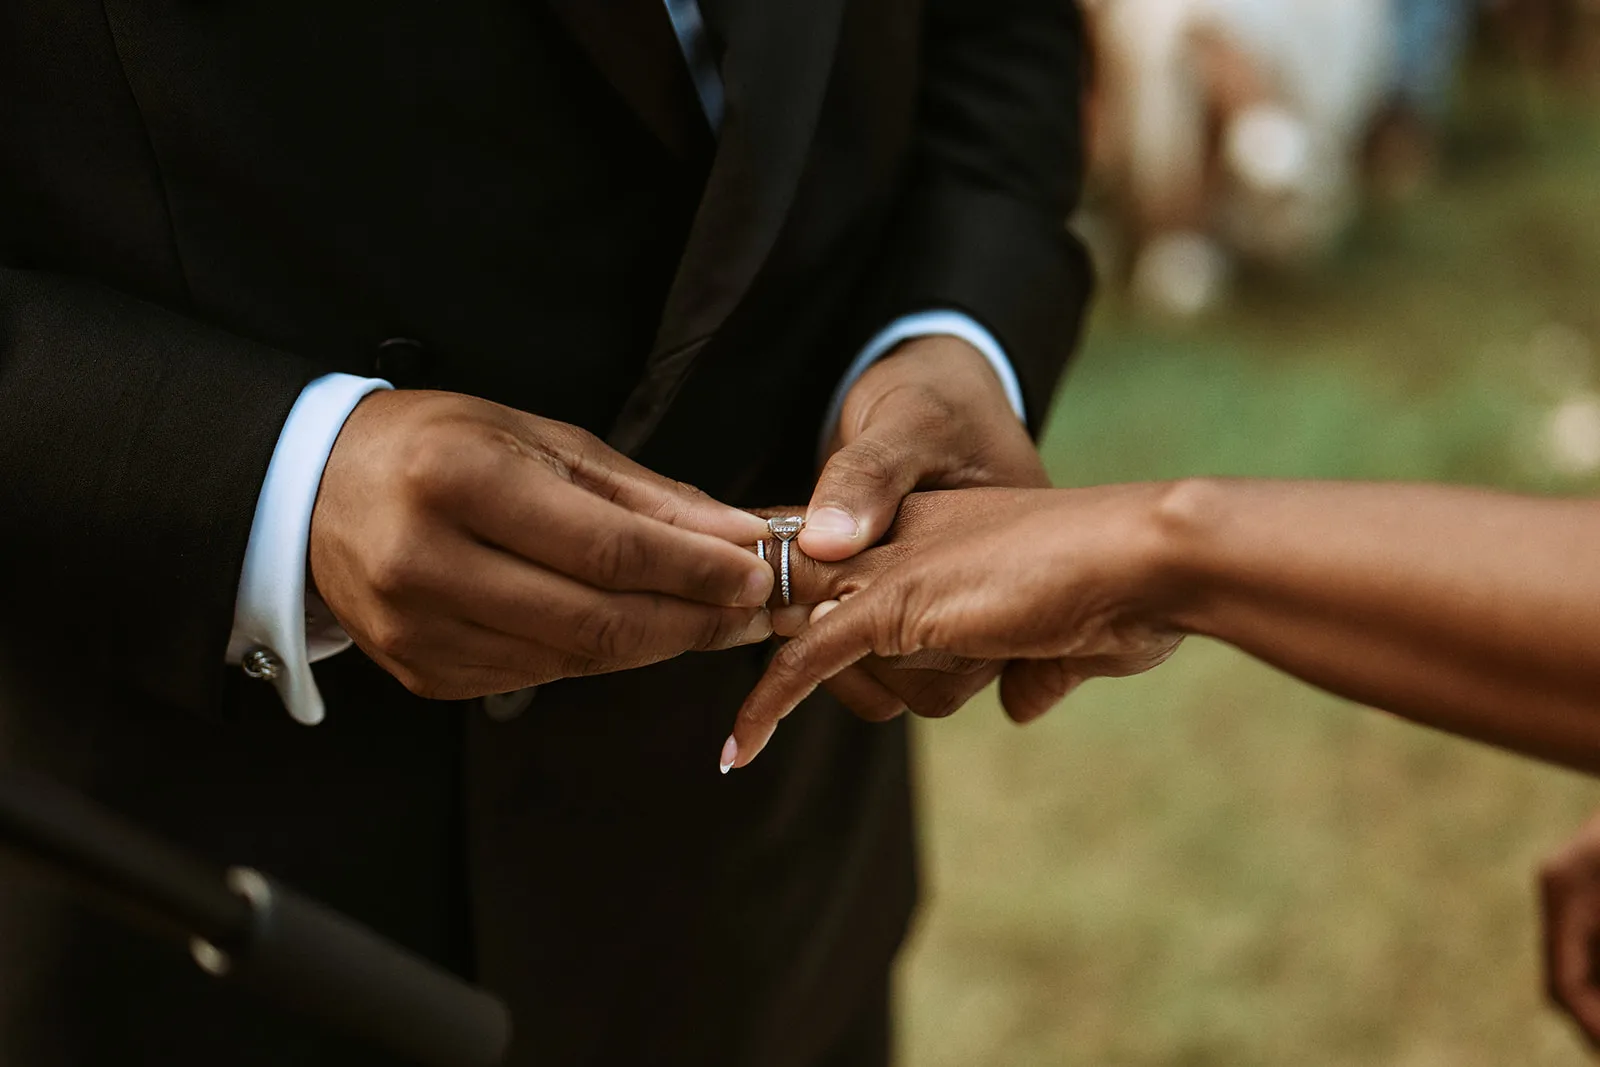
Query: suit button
point(403, 362)
point(507, 706)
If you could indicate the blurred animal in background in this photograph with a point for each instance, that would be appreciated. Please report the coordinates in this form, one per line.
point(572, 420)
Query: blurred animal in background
point(1227, 129)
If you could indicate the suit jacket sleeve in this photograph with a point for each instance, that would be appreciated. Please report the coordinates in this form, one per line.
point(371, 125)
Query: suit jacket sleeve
point(996, 171)
point(133, 443)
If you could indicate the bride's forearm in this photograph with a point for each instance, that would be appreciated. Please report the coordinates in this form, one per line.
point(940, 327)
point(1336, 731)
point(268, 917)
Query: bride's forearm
point(1472, 611)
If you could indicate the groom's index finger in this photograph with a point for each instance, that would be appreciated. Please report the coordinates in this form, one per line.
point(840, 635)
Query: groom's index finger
point(610, 474)
point(834, 642)
point(576, 533)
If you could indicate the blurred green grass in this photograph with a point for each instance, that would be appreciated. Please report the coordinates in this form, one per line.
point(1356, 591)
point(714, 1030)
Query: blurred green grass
point(1213, 865)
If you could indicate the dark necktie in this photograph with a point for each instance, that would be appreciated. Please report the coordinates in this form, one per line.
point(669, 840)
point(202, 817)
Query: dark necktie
point(633, 43)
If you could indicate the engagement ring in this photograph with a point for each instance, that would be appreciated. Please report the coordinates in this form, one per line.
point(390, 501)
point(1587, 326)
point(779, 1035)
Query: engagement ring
point(785, 530)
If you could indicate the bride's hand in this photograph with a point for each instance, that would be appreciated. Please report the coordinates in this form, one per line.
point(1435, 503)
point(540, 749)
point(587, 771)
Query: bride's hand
point(1059, 585)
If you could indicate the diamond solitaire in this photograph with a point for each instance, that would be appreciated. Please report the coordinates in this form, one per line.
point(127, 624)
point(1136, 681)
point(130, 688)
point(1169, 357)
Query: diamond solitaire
point(785, 529)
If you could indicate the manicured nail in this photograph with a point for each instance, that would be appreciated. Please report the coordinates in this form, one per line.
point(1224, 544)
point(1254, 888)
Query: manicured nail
point(835, 521)
point(822, 609)
point(730, 754)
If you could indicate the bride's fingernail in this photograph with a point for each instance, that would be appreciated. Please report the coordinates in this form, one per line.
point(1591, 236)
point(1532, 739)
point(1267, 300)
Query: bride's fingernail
point(822, 609)
point(730, 753)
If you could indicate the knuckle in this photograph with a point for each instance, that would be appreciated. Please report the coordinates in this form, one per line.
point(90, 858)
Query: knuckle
point(893, 631)
point(758, 716)
point(793, 660)
point(560, 438)
point(678, 502)
point(572, 451)
point(392, 637)
point(430, 467)
point(388, 576)
point(613, 557)
point(578, 442)
point(915, 621)
point(690, 493)
point(392, 570)
point(605, 635)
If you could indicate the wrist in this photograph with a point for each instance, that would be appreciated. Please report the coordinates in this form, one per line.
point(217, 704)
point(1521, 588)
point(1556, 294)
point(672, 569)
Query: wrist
point(956, 364)
point(942, 366)
point(1181, 565)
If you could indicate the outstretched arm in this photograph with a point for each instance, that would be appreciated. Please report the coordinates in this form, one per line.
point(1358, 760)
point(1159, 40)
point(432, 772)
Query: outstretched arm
point(1475, 612)
point(1471, 611)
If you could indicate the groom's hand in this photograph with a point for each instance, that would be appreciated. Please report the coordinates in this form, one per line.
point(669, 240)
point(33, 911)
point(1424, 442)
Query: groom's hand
point(472, 549)
point(932, 415)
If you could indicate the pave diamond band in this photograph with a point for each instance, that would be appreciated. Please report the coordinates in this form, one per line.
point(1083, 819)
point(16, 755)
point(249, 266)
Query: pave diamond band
point(785, 529)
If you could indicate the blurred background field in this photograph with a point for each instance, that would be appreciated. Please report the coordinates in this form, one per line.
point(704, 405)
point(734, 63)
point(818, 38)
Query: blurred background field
point(1212, 865)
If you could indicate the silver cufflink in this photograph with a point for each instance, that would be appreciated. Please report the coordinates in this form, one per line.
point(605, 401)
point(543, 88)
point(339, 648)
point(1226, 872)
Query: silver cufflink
point(261, 664)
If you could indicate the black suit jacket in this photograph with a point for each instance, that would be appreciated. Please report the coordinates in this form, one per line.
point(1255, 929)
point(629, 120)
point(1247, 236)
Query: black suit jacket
point(206, 203)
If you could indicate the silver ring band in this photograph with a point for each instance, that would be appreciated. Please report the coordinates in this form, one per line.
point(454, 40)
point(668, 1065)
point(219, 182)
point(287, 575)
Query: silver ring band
point(785, 530)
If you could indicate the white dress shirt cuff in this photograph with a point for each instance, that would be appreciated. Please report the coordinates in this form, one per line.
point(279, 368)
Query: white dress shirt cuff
point(274, 614)
point(926, 324)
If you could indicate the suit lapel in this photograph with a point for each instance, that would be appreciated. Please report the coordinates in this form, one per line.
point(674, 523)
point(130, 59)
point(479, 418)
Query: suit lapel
point(633, 45)
point(776, 65)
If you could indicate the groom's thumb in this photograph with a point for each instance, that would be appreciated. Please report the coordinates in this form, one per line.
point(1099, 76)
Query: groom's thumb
point(858, 495)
